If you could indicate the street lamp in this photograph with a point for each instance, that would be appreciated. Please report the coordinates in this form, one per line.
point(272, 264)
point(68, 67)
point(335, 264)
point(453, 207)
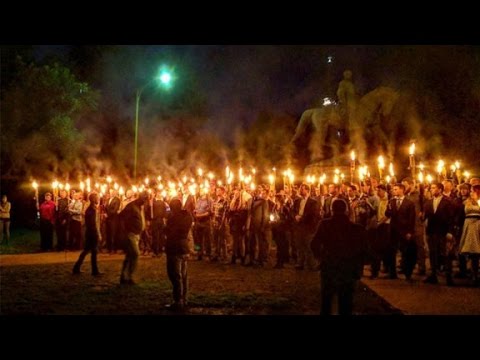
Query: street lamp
point(165, 79)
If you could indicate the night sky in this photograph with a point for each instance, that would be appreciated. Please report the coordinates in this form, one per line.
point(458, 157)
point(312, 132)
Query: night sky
point(236, 85)
point(238, 80)
point(288, 77)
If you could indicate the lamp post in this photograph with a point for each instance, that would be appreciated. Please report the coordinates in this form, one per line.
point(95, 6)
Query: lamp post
point(165, 78)
point(137, 105)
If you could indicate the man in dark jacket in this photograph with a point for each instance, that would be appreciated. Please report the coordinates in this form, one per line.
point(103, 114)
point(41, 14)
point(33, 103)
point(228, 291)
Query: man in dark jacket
point(156, 212)
point(62, 221)
point(178, 226)
point(113, 205)
point(92, 236)
point(439, 213)
point(340, 246)
point(401, 212)
point(307, 214)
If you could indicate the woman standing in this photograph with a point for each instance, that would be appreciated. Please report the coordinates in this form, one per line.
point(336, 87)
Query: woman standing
point(5, 208)
point(470, 241)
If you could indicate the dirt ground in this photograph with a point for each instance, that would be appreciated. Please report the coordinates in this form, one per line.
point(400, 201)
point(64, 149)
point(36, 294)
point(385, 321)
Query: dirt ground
point(42, 284)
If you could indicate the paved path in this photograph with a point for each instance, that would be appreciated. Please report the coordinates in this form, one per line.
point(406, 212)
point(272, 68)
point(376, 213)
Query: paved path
point(417, 298)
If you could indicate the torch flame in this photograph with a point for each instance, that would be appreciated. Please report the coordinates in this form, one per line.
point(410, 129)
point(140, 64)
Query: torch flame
point(411, 150)
point(420, 177)
point(381, 162)
point(390, 169)
point(271, 179)
point(440, 166)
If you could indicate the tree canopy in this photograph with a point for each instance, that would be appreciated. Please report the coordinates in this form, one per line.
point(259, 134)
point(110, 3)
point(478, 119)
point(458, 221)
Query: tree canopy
point(39, 110)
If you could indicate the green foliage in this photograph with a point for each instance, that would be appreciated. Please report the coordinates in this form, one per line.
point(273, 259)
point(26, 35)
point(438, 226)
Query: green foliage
point(38, 118)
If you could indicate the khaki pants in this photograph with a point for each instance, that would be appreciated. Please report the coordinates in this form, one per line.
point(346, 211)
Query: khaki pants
point(132, 252)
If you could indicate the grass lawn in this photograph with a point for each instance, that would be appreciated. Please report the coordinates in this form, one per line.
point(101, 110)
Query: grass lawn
point(48, 287)
point(42, 289)
point(22, 241)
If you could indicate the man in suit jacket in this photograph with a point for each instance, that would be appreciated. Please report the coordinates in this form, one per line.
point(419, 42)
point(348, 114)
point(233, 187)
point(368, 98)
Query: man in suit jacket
point(439, 212)
point(188, 203)
point(401, 211)
point(418, 199)
point(62, 221)
point(113, 205)
point(156, 212)
point(307, 213)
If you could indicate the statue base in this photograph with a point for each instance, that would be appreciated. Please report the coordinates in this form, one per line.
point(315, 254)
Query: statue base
point(329, 166)
point(341, 161)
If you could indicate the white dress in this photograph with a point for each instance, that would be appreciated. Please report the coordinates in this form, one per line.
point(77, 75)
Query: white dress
point(470, 241)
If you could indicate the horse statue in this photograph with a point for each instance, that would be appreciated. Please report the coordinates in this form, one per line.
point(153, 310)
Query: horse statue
point(375, 119)
point(322, 120)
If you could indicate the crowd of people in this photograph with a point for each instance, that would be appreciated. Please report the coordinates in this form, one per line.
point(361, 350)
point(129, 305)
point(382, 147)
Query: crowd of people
point(310, 227)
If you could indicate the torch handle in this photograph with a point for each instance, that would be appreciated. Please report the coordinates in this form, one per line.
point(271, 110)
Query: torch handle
point(37, 204)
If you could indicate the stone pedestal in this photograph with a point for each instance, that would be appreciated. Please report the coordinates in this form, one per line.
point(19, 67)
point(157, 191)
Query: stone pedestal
point(328, 167)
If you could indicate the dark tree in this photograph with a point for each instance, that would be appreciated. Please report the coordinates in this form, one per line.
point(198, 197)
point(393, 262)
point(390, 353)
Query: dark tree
point(38, 116)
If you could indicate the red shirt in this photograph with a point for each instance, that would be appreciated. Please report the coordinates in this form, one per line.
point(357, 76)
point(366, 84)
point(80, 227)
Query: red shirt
point(47, 211)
